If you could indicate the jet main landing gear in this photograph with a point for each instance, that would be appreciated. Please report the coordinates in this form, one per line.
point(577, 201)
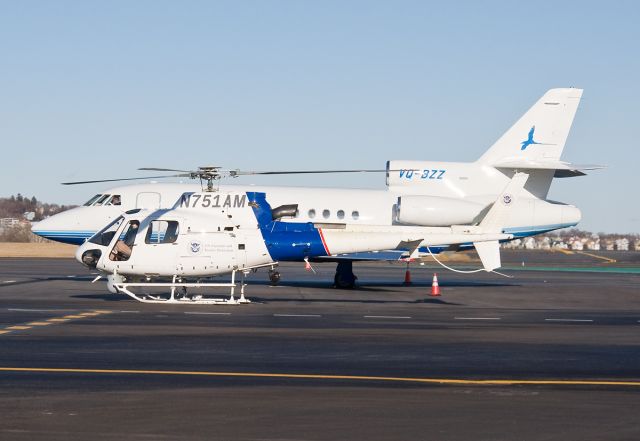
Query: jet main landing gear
point(274, 277)
point(344, 278)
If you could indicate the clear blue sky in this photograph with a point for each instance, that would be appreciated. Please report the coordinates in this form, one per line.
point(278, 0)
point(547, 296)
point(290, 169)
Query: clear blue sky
point(98, 89)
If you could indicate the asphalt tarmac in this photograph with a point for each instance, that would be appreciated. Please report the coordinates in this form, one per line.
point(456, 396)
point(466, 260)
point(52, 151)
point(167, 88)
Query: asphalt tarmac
point(544, 355)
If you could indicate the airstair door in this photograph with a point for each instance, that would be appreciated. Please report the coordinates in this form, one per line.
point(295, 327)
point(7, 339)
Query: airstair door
point(148, 200)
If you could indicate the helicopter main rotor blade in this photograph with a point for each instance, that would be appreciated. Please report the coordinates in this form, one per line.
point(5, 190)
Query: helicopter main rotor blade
point(301, 172)
point(126, 179)
point(211, 173)
point(164, 169)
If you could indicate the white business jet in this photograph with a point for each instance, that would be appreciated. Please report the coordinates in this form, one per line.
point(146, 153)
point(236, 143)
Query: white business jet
point(186, 232)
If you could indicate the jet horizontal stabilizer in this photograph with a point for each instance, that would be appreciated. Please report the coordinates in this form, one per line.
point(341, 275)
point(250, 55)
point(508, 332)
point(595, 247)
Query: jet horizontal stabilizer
point(562, 169)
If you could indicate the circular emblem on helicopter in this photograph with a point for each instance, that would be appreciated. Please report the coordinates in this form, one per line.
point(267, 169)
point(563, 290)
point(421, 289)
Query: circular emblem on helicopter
point(506, 199)
point(195, 246)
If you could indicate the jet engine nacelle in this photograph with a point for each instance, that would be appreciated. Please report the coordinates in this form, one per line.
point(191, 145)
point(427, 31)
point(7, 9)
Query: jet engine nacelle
point(434, 211)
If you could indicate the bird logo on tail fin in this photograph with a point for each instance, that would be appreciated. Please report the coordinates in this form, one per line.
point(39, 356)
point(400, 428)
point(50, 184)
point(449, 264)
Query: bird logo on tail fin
point(529, 140)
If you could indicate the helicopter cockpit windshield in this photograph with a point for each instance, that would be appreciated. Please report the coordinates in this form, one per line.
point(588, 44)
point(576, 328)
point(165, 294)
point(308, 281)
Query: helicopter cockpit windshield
point(104, 236)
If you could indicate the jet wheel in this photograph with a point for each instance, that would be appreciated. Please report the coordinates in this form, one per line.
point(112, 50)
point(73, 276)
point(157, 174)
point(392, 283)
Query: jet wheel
point(274, 277)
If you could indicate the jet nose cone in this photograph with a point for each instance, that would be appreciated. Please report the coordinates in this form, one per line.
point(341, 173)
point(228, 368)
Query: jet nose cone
point(62, 227)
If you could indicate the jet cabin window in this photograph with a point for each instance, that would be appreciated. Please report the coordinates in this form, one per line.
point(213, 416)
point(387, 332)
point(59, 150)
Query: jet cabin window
point(161, 231)
point(123, 247)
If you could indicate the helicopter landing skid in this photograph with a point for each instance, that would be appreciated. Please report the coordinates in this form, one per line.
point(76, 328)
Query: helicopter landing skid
point(176, 297)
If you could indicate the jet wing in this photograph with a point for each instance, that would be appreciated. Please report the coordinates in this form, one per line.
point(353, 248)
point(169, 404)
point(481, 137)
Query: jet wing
point(387, 255)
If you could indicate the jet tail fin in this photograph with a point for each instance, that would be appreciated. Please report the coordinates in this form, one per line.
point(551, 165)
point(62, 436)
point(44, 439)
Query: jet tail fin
point(539, 136)
point(541, 133)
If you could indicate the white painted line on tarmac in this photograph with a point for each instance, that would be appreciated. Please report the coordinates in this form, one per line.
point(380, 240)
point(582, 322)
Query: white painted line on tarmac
point(39, 310)
point(130, 312)
point(297, 315)
point(8, 281)
point(567, 320)
point(208, 313)
point(477, 318)
point(388, 316)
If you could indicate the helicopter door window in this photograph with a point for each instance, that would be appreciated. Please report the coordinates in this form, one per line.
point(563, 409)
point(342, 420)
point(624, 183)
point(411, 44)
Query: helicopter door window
point(124, 246)
point(161, 231)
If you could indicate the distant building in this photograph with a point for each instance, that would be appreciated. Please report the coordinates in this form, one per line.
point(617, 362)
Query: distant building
point(593, 245)
point(578, 241)
point(622, 244)
point(577, 245)
point(8, 222)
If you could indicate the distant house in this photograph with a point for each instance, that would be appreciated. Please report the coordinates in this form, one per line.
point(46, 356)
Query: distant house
point(577, 245)
point(593, 245)
point(622, 244)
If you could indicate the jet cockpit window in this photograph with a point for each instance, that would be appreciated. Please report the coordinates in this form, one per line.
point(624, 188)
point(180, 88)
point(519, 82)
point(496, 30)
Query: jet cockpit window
point(124, 246)
point(115, 200)
point(104, 236)
point(102, 199)
point(161, 231)
point(92, 200)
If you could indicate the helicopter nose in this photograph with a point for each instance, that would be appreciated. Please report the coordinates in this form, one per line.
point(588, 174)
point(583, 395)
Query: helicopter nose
point(88, 256)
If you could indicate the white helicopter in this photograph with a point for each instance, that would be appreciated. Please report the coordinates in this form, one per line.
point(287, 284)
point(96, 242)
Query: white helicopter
point(177, 236)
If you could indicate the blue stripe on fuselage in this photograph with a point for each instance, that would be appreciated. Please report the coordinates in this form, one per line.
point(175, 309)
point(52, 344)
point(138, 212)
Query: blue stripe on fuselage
point(292, 241)
point(70, 237)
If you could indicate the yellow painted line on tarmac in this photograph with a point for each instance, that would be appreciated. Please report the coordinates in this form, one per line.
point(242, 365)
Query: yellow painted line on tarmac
point(607, 259)
point(449, 381)
point(55, 320)
point(563, 251)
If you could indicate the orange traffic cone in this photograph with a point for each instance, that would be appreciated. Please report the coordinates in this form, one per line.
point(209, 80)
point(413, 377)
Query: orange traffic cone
point(435, 288)
point(407, 277)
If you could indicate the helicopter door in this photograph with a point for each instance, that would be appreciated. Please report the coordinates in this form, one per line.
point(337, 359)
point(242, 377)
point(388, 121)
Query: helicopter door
point(123, 247)
point(148, 200)
point(158, 253)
